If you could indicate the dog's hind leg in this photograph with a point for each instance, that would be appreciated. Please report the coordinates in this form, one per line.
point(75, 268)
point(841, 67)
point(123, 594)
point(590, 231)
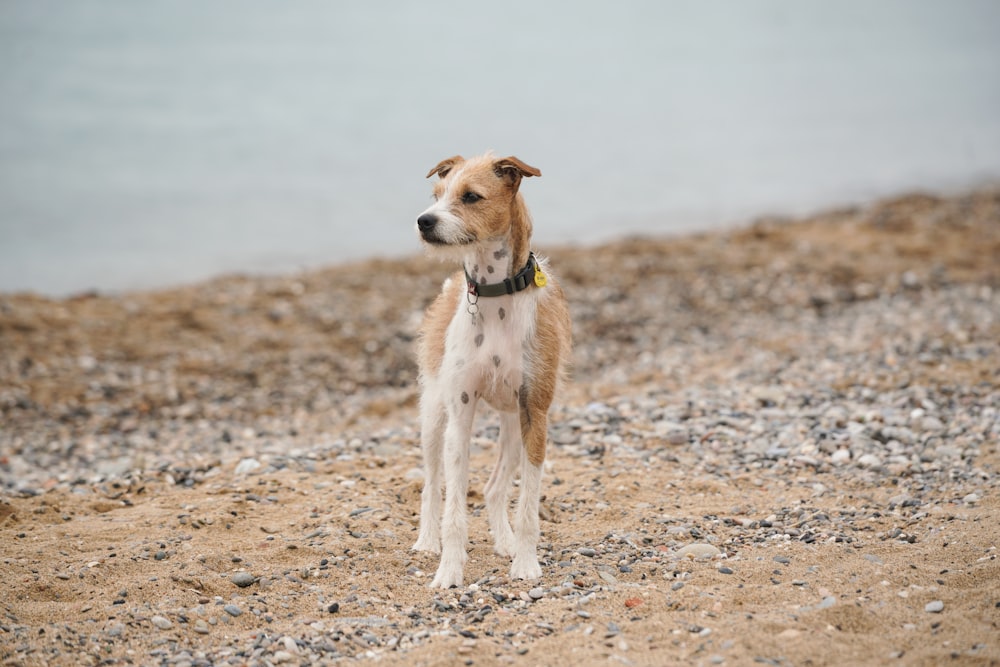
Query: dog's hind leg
point(498, 487)
point(534, 422)
point(526, 531)
point(432, 425)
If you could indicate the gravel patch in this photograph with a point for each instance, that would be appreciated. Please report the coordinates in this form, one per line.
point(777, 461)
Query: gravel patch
point(788, 426)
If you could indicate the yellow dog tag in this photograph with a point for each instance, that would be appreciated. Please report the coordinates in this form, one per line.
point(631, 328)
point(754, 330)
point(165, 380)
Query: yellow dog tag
point(540, 278)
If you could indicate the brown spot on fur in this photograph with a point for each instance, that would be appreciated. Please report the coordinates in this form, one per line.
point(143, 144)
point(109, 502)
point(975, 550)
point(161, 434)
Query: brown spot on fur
point(496, 360)
point(465, 397)
point(502, 313)
point(479, 340)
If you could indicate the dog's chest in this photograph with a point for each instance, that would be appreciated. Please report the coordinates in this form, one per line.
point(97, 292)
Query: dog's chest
point(490, 350)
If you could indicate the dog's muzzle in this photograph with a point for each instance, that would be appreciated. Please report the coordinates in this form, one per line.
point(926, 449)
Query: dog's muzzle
point(426, 224)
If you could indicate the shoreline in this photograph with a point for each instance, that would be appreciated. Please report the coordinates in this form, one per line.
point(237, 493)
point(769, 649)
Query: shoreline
point(817, 399)
point(687, 226)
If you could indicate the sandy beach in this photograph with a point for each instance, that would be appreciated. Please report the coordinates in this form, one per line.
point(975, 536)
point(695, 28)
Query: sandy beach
point(778, 446)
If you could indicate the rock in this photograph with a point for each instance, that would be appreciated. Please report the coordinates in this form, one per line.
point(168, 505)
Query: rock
point(935, 607)
point(232, 610)
point(588, 552)
point(677, 436)
point(536, 593)
point(246, 466)
point(607, 576)
point(243, 579)
point(161, 622)
point(869, 461)
point(698, 551)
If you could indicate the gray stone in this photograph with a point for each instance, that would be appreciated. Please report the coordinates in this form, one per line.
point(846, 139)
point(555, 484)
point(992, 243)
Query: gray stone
point(242, 579)
point(161, 622)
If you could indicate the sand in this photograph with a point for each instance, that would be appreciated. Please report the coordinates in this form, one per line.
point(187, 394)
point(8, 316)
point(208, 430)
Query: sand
point(815, 403)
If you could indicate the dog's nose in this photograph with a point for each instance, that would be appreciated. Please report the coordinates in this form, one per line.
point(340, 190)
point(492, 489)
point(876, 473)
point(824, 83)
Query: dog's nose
point(426, 222)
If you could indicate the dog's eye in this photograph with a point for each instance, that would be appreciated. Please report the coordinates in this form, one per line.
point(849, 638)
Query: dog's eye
point(470, 198)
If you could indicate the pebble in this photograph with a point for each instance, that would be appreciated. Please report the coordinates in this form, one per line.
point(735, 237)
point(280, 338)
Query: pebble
point(161, 622)
point(840, 456)
point(698, 551)
point(246, 466)
point(935, 607)
point(869, 461)
point(232, 610)
point(777, 420)
point(242, 579)
point(677, 437)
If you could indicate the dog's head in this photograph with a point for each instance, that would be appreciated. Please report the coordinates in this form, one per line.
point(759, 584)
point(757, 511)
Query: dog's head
point(473, 200)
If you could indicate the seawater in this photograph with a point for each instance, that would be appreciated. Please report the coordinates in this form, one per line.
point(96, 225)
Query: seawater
point(145, 144)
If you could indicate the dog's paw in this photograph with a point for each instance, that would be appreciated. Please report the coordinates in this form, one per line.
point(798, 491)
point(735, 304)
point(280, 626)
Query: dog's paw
point(447, 576)
point(425, 543)
point(503, 544)
point(525, 567)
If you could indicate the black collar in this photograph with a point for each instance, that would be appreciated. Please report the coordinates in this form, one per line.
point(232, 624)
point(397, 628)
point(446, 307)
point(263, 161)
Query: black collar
point(521, 281)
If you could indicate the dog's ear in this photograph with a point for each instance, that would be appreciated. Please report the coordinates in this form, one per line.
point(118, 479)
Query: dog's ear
point(512, 169)
point(444, 166)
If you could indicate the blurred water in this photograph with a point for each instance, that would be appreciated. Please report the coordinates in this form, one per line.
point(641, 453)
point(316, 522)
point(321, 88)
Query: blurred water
point(160, 142)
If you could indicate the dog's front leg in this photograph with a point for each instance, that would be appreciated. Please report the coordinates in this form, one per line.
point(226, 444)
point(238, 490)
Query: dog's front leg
point(432, 423)
point(454, 522)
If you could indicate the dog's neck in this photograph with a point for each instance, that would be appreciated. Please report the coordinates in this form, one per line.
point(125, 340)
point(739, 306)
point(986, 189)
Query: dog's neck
point(507, 254)
point(490, 262)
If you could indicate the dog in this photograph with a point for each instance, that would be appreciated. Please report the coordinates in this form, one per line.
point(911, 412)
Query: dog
point(499, 332)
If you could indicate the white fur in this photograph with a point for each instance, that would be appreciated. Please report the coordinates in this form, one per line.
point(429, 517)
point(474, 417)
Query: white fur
point(485, 348)
point(492, 370)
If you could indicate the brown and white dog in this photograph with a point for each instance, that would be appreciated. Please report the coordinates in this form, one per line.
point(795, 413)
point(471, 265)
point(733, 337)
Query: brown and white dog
point(500, 332)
